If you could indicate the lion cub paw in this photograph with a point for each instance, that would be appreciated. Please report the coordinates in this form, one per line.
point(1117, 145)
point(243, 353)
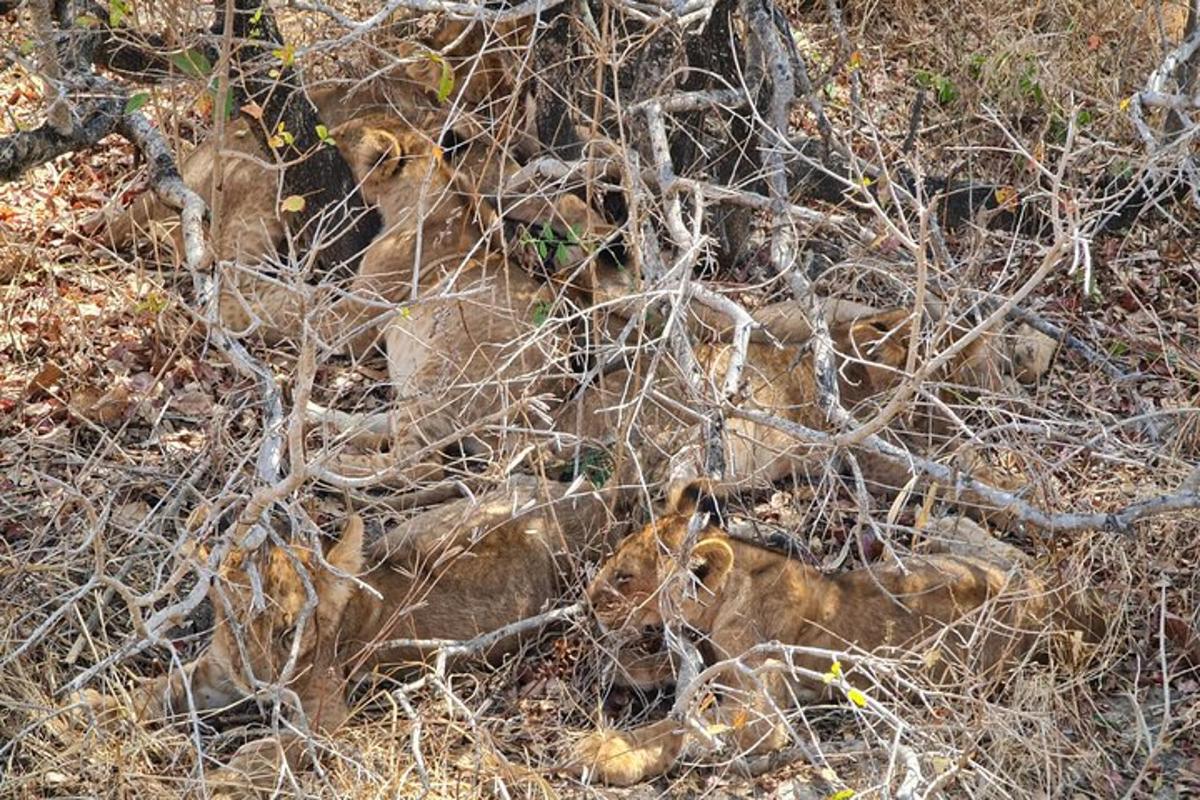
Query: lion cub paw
point(614, 758)
point(92, 709)
point(252, 772)
point(230, 783)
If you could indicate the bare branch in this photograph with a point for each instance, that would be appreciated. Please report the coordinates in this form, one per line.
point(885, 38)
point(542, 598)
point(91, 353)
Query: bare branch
point(92, 120)
point(1120, 521)
point(448, 648)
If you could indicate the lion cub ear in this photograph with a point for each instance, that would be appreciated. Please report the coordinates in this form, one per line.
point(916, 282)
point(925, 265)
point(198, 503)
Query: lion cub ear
point(696, 495)
point(711, 562)
point(381, 152)
point(334, 590)
point(347, 554)
point(866, 332)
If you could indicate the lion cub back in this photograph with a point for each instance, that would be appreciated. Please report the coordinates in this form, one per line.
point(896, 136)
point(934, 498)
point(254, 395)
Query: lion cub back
point(962, 615)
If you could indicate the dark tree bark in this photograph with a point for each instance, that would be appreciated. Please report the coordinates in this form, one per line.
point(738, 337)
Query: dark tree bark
point(708, 55)
point(737, 162)
point(140, 57)
point(97, 116)
point(552, 61)
point(334, 214)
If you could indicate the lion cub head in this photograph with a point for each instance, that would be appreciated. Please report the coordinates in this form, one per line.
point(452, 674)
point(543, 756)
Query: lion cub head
point(876, 350)
point(647, 572)
point(267, 601)
point(390, 157)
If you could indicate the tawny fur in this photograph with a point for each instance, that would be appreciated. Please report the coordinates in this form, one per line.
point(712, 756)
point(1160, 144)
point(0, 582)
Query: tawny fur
point(434, 216)
point(469, 344)
point(957, 613)
point(452, 573)
point(871, 359)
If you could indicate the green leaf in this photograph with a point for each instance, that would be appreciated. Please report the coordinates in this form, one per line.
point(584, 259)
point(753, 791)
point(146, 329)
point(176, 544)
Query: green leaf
point(136, 101)
point(597, 467)
point(857, 697)
point(541, 311)
point(844, 794)
point(87, 21)
point(1056, 130)
point(228, 105)
point(947, 92)
point(153, 303)
point(976, 65)
point(256, 22)
point(281, 137)
point(117, 9)
point(192, 63)
point(294, 203)
point(27, 47)
point(1029, 85)
point(323, 135)
point(562, 255)
point(445, 85)
point(285, 54)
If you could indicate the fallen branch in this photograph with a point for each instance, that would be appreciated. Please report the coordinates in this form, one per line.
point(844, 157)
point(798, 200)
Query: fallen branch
point(93, 119)
point(898, 402)
point(743, 326)
point(1120, 521)
point(784, 255)
point(168, 184)
point(454, 648)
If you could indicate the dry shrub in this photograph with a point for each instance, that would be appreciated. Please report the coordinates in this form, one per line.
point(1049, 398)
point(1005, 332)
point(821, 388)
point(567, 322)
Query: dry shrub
point(84, 494)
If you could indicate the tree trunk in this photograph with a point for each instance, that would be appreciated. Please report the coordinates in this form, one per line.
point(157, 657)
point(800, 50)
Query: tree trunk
point(334, 216)
point(552, 61)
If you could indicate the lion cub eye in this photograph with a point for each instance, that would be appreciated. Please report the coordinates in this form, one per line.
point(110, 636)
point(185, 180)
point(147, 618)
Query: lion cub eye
point(622, 578)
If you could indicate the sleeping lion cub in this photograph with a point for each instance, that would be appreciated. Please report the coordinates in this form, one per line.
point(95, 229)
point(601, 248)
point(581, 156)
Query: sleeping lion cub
point(954, 611)
point(871, 358)
point(438, 188)
point(446, 574)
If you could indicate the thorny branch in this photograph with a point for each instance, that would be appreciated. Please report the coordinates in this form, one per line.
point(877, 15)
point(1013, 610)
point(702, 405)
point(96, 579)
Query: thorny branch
point(448, 648)
point(91, 108)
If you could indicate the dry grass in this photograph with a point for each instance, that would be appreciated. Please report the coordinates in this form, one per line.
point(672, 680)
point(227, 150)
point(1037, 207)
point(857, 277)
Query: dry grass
point(116, 420)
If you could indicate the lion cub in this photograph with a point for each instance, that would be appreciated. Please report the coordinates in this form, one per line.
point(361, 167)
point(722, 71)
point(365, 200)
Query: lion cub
point(871, 356)
point(952, 610)
point(460, 570)
point(402, 171)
